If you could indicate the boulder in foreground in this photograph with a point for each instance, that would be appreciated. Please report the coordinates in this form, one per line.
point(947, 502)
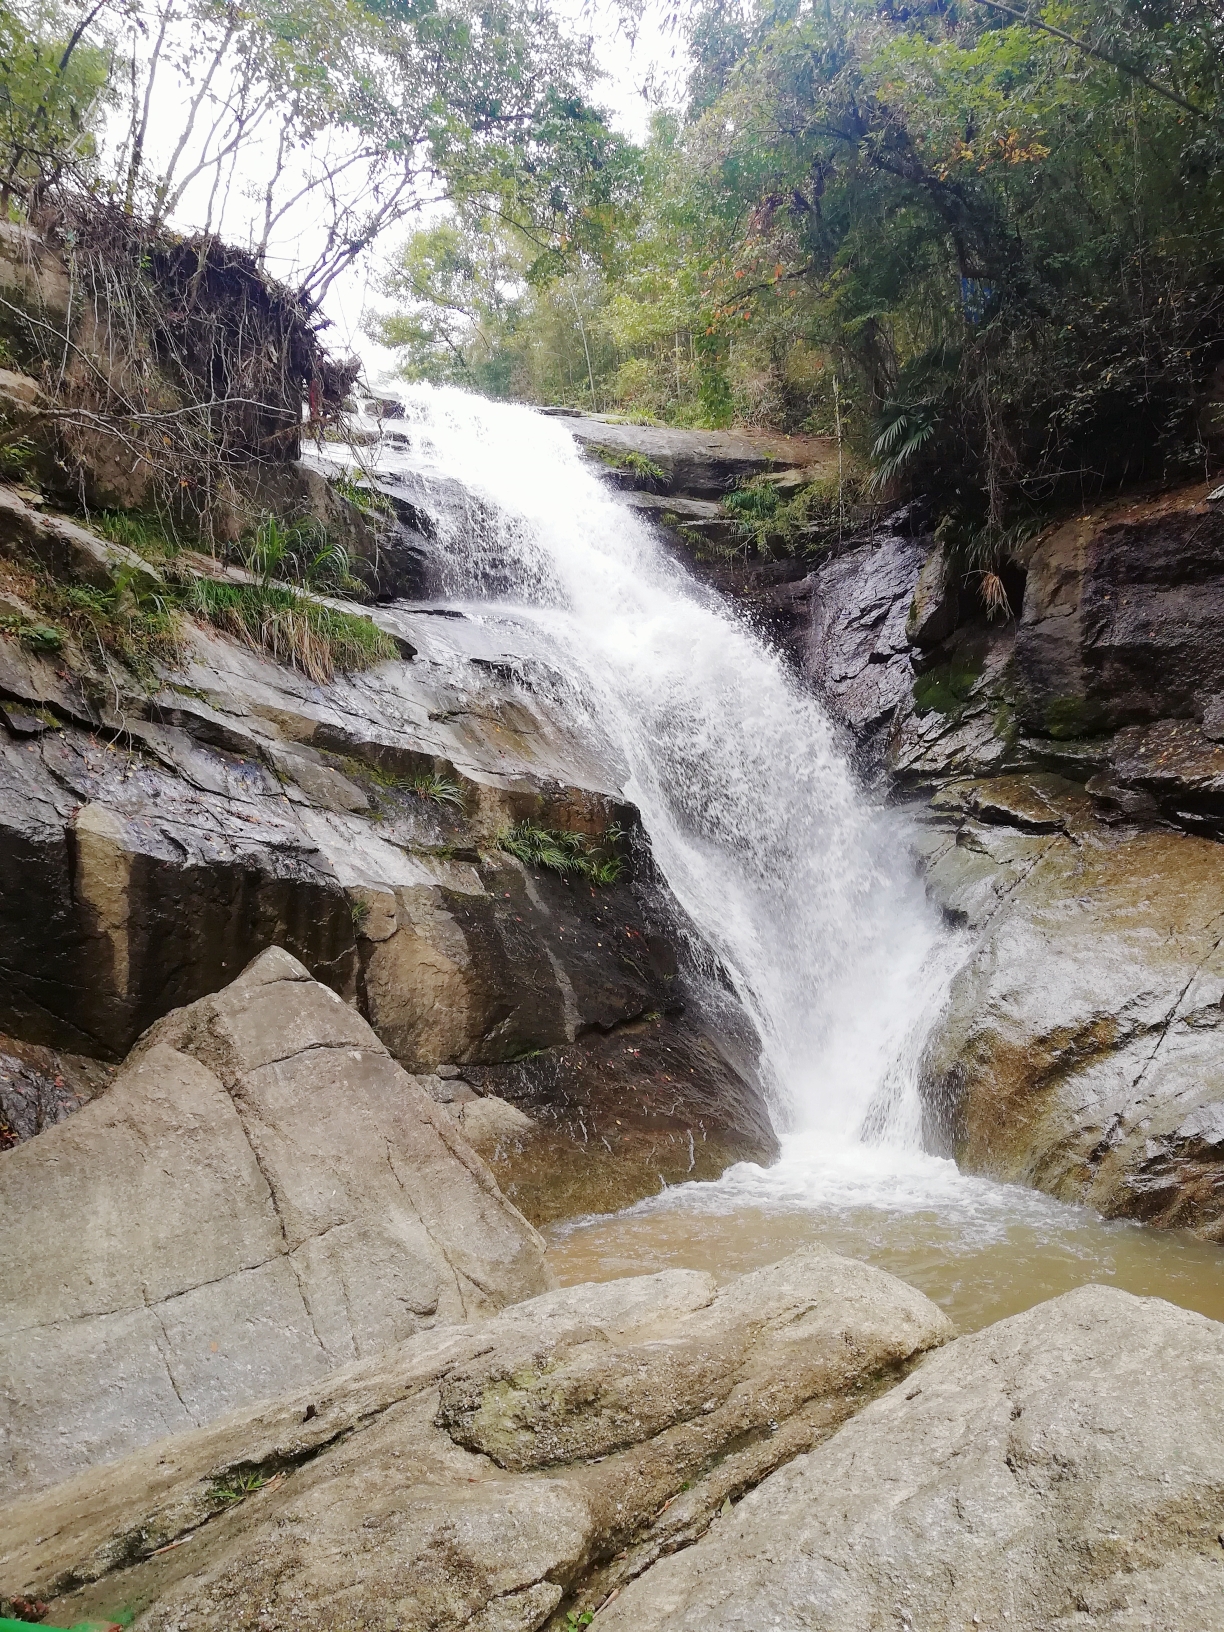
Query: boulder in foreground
point(1062, 1469)
point(489, 1477)
point(262, 1195)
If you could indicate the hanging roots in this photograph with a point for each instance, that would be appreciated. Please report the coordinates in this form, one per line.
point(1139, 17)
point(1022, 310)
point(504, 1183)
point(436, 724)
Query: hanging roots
point(179, 357)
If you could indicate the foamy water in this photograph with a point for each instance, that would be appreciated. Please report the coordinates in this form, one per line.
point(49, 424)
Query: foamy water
point(806, 891)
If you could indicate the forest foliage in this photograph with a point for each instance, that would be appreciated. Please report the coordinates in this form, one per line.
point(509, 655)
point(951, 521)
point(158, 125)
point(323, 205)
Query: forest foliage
point(313, 123)
point(982, 243)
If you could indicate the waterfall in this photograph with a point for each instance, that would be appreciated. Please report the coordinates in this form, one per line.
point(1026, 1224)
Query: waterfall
point(806, 892)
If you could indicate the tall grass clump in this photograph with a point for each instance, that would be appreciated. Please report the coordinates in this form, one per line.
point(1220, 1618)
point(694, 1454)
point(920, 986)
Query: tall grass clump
point(291, 628)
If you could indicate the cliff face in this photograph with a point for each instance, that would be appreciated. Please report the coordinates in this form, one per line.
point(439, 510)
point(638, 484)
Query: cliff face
point(1074, 803)
point(167, 816)
point(157, 835)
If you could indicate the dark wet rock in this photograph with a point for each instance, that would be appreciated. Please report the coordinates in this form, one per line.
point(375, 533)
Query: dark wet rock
point(41, 1086)
point(858, 651)
point(1123, 619)
point(617, 1114)
point(935, 609)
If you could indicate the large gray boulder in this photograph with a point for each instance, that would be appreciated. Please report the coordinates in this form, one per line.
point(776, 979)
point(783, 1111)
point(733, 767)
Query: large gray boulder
point(1063, 1469)
point(1080, 1047)
point(262, 1195)
point(493, 1478)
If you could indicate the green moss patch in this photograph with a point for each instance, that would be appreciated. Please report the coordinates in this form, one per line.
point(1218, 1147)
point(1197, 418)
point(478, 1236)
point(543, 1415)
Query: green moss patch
point(945, 688)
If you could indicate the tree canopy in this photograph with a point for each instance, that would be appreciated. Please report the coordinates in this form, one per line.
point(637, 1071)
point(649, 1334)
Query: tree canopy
point(986, 239)
point(345, 114)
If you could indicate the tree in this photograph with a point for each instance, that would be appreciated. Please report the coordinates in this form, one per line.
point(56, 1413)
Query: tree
point(54, 89)
point(353, 112)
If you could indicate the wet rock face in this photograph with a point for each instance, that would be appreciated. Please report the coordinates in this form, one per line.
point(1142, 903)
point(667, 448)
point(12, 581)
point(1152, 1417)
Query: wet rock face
point(498, 1476)
point(1074, 767)
point(858, 652)
point(1029, 1476)
point(261, 1195)
point(151, 844)
point(615, 1114)
point(1123, 619)
point(1081, 1050)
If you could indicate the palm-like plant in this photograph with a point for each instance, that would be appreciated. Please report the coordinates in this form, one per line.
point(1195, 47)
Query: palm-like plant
point(907, 427)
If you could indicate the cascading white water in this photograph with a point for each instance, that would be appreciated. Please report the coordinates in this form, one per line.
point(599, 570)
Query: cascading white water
point(807, 894)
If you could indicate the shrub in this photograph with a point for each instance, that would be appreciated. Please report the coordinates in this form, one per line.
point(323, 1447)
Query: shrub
point(43, 639)
point(128, 620)
point(767, 523)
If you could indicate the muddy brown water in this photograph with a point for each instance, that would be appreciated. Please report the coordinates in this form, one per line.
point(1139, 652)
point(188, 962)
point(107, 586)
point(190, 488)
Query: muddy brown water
point(976, 1274)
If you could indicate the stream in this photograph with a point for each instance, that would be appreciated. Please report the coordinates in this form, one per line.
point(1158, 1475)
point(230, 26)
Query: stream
point(806, 891)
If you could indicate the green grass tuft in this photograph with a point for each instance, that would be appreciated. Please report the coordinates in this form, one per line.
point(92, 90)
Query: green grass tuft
point(629, 459)
point(139, 530)
point(560, 852)
point(435, 787)
point(292, 629)
point(236, 1488)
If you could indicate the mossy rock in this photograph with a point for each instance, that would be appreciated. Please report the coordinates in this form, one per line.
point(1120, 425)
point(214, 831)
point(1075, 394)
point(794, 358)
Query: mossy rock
point(945, 689)
point(1066, 717)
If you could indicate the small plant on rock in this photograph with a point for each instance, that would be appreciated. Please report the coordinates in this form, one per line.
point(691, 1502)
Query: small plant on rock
point(43, 639)
point(438, 789)
point(561, 852)
point(299, 552)
point(236, 1487)
point(630, 459)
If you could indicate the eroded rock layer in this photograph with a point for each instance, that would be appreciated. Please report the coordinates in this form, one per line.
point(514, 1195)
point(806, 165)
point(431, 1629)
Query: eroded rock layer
point(495, 1476)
